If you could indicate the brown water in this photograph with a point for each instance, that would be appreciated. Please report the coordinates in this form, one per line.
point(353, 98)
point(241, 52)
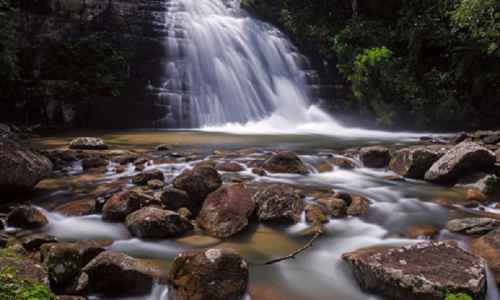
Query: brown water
point(316, 274)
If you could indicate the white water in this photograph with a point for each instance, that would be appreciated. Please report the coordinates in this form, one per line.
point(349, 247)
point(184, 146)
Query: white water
point(244, 76)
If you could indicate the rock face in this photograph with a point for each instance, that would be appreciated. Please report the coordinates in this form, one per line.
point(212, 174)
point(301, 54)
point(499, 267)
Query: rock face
point(225, 211)
point(279, 203)
point(152, 222)
point(21, 168)
point(472, 225)
point(414, 162)
point(144, 177)
point(117, 274)
point(214, 274)
point(198, 183)
point(464, 157)
point(26, 217)
point(427, 270)
point(285, 162)
point(88, 143)
point(375, 156)
point(124, 203)
point(488, 247)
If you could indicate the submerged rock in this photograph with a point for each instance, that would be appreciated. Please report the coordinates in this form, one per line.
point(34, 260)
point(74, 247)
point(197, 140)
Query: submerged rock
point(472, 225)
point(459, 160)
point(88, 143)
point(375, 156)
point(285, 162)
point(124, 203)
point(117, 274)
point(26, 217)
point(198, 183)
point(215, 274)
point(225, 211)
point(21, 168)
point(427, 270)
point(414, 162)
point(279, 203)
point(153, 222)
point(488, 247)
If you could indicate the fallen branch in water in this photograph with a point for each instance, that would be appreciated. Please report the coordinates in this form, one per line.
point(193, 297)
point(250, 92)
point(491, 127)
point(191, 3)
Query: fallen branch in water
point(292, 255)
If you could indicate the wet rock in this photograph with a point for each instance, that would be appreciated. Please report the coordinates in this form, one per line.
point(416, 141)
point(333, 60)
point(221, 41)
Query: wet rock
point(421, 231)
point(225, 211)
point(175, 199)
point(322, 165)
point(475, 195)
point(359, 206)
point(285, 162)
point(163, 147)
point(198, 183)
point(491, 139)
point(94, 162)
point(279, 203)
point(155, 184)
point(153, 222)
point(22, 269)
point(88, 143)
point(26, 217)
point(487, 184)
point(80, 207)
point(229, 166)
point(144, 177)
point(459, 138)
point(427, 270)
point(343, 162)
point(316, 214)
point(117, 274)
point(335, 207)
point(184, 212)
point(463, 158)
point(472, 225)
point(34, 241)
point(259, 171)
point(215, 274)
point(125, 203)
point(64, 262)
point(21, 168)
point(125, 159)
point(375, 156)
point(120, 169)
point(488, 247)
point(414, 162)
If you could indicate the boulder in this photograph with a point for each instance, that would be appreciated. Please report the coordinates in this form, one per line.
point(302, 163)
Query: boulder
point(225, 211)
point(279, 203)
point(458, 161)
point(414, 162)
point(488, 184)
point(285, 162)
point(335, 207)
point(94, 162)
point(472, 225)
point(88, 143)
point(215, 274)
point(375, 156)
point(116, 274)
point(198, 183)
point(153, 222)
point(427, 270)
point(259, 171)
point(155, 184)
point(229, 166)
point(21, 168)
point(359, 206)
point(124, 203)
point(144, 177)
point(316, 214)
point(174, 199)
point(488, 247)
point(64, 262)
point(26, 217)
point(343, 162)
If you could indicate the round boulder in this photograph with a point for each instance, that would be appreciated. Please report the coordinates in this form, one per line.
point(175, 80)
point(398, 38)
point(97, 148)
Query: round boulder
point(198, 183)
point(26, 217)
point(285, 162)
point(153, 222)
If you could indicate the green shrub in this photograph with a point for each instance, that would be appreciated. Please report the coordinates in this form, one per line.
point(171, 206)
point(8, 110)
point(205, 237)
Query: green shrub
point(459, 296)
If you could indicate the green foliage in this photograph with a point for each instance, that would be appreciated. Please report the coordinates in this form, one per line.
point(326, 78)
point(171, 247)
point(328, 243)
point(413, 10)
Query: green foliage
point(459, 296)
point(8, 46)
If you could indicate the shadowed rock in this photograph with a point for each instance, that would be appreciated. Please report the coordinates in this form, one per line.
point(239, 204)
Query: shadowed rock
point(26, 217)
point(375, 156)
point(152, 222)
point(488, 247)
point(198, 183)
point(414, 162)
point(285, 162)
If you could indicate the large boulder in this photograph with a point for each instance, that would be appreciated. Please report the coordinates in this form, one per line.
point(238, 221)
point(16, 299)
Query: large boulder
point(26, 217)
point(459, 160)
point(472, 225)
point(279, 203)
point(88, 143)
point(414, 162)
point(64, 262)
point(125, 203)
point(116, 274)
point(375, 156)
point(153, 222)
point(175, 199)
point(427, 270)
point(198, 183)
point(285, 162)
point(488, 247)
point(225, 211)
point(21, 168)
point(215, 274)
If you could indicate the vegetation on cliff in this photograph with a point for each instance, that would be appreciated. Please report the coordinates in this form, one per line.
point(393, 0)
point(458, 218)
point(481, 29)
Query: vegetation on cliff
point(409, 63)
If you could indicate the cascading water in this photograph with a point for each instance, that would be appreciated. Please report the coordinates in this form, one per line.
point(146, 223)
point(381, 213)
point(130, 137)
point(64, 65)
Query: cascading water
point(230, 72)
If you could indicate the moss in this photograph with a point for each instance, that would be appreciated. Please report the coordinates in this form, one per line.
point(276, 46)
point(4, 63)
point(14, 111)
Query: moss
point(459, 296)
